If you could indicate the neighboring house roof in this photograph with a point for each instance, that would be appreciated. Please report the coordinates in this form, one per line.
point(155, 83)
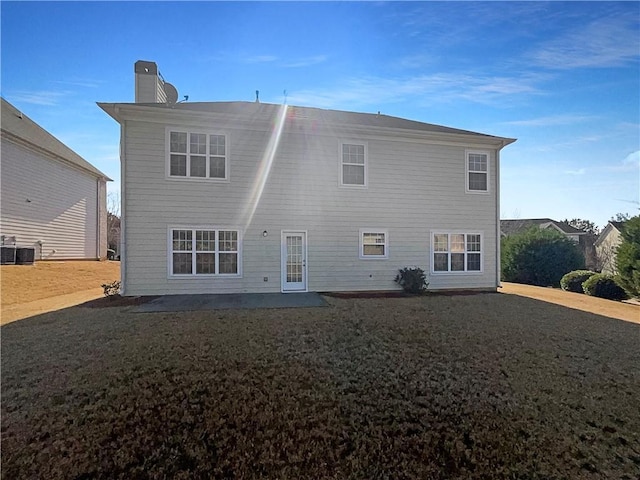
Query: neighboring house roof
point(607, 230)
point(617, 225)
point(332, 117)
point(511, 227)
point(17, 125)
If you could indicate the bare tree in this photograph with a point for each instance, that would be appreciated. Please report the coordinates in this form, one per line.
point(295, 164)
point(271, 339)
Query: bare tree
point(582, 224)
point(606, 258)
point(113, 221)
point(620, 217)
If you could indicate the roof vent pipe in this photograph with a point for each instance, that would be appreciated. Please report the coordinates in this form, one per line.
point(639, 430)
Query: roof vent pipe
point(257, 96)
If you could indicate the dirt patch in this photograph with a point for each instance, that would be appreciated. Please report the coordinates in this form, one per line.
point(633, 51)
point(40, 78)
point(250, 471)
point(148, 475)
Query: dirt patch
point(435, 387)
point(629, 312)
point(26, 283)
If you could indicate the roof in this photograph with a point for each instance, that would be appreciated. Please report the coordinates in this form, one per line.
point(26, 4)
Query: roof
point(322, 116)
point(619, 225)
point(511, 227)
point(607, 230)
point(18, 125)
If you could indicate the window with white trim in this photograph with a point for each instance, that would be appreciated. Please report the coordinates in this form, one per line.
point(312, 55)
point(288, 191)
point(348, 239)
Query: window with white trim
point(204, 251)
point(456, 252)
point(477, 171)
point(353, 167)
point(374, 244)
point(197, 155)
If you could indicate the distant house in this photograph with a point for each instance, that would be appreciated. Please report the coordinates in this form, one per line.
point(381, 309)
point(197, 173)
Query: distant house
point(607, 244)
point(232, 197)
point(51, 198)
point(583, 239)
point(513, 227)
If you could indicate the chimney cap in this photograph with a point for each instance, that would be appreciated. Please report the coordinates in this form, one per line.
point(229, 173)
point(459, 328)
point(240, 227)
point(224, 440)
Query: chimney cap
point(146, 67)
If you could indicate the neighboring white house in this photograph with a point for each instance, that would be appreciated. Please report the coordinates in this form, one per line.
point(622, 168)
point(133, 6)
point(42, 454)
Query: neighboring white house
point(230, 197)
point(51, 198)
point(606, 245)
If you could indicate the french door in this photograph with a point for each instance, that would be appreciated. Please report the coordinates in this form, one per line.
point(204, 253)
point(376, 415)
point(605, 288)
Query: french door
point(294, 261)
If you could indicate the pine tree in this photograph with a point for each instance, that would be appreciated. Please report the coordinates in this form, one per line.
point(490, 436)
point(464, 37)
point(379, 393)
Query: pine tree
point(628, 257)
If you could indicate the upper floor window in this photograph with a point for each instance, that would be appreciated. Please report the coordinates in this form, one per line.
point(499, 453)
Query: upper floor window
point(353, 167)
point(197, 155)
point(456, 252)
point(374, 244)
point(477, 171)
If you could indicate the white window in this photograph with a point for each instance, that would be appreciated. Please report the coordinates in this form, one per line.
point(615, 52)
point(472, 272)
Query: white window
point(204, 251)
point(456, 252)
point(477, 171)
point(353, 165)
point(374, 243)
point(197, 155)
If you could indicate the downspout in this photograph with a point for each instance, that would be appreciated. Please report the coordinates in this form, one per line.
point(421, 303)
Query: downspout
point(98, 222)
point(123, 242)
point(498, 236)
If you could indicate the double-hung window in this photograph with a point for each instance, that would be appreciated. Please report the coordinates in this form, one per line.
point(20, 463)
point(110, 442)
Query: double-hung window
point(197, 155)
point(204, 251)
point(456, 252)
point(374, 243)
point(353, 165)
point(477, 171)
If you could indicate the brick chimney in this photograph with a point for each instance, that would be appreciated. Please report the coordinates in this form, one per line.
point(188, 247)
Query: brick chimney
point(150, 86)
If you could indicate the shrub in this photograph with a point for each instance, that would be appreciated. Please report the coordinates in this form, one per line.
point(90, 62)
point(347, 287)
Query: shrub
point(539, 257)
point(412, 280)
point(604, 286)
point(572, 281)
point(111, 289)
point(628, 257)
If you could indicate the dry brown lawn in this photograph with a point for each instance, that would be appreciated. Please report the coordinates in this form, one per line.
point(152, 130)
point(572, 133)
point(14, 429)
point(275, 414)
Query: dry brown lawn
point(26, 283)
point(477, 386)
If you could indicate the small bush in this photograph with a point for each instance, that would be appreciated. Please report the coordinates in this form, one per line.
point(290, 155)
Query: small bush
point(604, 286)
point(111, 289)
point(412, 280)
point(572, 281)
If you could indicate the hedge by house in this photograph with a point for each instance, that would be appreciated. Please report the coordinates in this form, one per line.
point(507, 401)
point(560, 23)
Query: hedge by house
point(539, 257)
point(604, 286)
point(628, 257)
point(572, 281)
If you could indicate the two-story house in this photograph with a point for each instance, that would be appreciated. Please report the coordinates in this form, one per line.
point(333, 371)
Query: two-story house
point(51, 199)
point(231, 197)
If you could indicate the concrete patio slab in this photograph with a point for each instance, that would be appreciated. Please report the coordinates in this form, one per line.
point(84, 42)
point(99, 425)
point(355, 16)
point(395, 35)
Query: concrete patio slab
point(183, 303)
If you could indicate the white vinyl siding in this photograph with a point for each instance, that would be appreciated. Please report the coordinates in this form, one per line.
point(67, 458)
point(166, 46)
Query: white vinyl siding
point(197, 155)
point(353, 164)
point(456, 252)
point(204, 251)
point(46, 200)
point(477, 171)
point(413, 185)
point(374, 244)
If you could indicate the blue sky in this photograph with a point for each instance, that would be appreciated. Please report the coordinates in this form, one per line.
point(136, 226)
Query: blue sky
point(562, 78)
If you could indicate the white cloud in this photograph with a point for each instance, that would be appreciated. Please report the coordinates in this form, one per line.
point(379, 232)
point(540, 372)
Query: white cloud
point(258, 59)
point(305, 62)
point(81, 82)
point(423, 89)
point(553, 120)
point(606, 42)
point(632, 159)
point(40, 97)
point(580, 171)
